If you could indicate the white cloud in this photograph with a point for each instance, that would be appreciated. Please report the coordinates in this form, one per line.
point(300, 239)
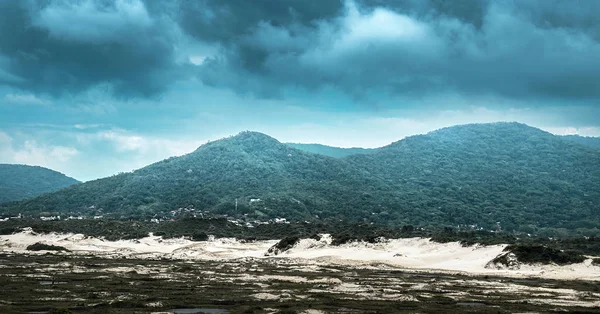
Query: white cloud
point(110, 151)
point(124, 141)
point(370, 35)
point(589, 131)
point(569, 130)
point(127, 151)
point(33, 153)
point(54, 157)
point(87, 126)
point(25, 99)
point(381, 24)
point(5, 139)
point(197, 59)
point(563, 130)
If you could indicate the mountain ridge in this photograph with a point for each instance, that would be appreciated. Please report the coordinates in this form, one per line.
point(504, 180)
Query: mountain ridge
point(332, 151)
point(479, 175)
point(19, 181)
point(584, 140)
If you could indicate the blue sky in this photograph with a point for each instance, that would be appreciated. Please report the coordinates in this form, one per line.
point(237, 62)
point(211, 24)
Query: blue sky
point(93, 88)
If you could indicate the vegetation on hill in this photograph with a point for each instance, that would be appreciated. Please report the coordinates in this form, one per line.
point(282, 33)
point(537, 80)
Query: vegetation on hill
point(38, 246)
point(538, 254)
point(265, 178)
point(584, 140)
point(504, 176)
point(330, 151)
point(20, 181)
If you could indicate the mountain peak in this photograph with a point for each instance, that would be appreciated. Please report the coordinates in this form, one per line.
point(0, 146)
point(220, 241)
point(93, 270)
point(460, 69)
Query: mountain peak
point(513, 134)
point(253, 135)
point(489, 127)
point(487, 131)
point(250, 140)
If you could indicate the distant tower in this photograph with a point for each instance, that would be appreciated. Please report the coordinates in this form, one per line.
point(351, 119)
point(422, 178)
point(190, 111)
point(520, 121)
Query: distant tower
point(236, 205)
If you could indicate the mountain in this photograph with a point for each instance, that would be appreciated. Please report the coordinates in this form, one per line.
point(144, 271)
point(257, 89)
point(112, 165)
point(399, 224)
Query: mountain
point(510, 173)
point(336, 152)
point(584, 140)
point(500, 175)
point(20, 181)
point(266, 177)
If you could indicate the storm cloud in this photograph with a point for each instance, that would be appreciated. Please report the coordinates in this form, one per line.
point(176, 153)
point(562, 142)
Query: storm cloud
point(59, 47)
point(543, 50)
point(533, 49)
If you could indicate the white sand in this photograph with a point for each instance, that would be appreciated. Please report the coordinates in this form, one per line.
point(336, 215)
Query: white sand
point(151, 246)
point(412, 253)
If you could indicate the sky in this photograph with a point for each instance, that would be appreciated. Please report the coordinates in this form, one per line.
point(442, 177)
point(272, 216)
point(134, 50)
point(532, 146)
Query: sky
point(92, 88)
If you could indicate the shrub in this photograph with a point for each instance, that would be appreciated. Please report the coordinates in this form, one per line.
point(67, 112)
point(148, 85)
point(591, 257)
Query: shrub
point(8, 230)
point(283, 245)
point(531, 254)
point(45, 247)
point(199, 236)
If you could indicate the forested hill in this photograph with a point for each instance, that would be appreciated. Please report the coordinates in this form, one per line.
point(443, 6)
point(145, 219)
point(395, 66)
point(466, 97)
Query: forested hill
point(20, 181)
point(507, 173)
point(584, 140)
point(336, 152)
point(510, 173)
point(268, 179)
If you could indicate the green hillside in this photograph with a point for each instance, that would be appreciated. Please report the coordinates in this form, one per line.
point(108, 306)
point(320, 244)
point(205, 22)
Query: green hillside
point(584, 140)
point(336, 152)
point(482, 175)
point(20, 181)
point(283, 181)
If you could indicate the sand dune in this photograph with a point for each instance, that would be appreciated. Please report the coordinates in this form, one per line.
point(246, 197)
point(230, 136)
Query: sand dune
point(411, 253)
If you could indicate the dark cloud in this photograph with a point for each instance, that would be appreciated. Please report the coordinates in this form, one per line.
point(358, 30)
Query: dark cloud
point(61, 47)
point(545, 49)
point(229, 21)
point(519, 49)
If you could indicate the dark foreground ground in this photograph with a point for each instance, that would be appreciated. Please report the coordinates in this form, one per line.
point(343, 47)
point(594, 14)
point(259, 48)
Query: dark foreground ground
point(86, 284)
